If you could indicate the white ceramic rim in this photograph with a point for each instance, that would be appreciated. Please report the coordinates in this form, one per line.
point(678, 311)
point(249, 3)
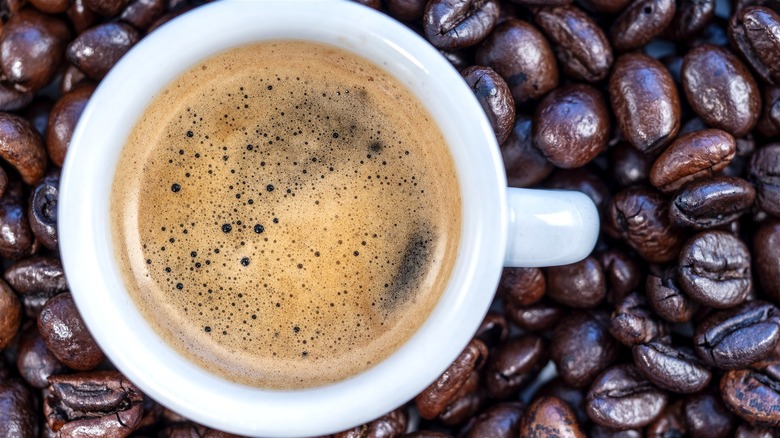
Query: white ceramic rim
point(85, 235)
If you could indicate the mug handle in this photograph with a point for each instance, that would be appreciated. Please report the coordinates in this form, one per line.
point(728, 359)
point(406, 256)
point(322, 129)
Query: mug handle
point(549, 227)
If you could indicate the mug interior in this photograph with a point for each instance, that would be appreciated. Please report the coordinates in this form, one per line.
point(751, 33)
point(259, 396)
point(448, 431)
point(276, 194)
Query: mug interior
point(85, 226)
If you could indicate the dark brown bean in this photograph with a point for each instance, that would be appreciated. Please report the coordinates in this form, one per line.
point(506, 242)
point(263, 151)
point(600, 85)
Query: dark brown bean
point(583, 180)
point(707, 417)
point(543, 2)
point(71, 79)
point(621, 398)
point(721, 90)
point(499, 421)
point(690, 18)
point(520, 54)
point(62, 121)
point(645, 102)
point(755, 32)
point(38, 114)
point(666, 297)
point(711, 202)
point(579, 285)
point(494, 96)
point(524, 164)
point(573, 397)
point(582, 347)
point(16, 238)
point(467, 402)
point(454, 24)
point(670, 424)
point(81, 16)
point(142, 13)
point(766, 250)
point(37, 274)
point(11, 311)
point(581, 46)
point(514, 364)
point(549, 417)
point(50, 6)
point(571, 125)
point(18, 410)
point(622, 273)
point(605, 6)
point(640, 22)
point(35, 361)
point(633, 323)
point(406, 10)
point(692, 156)
point(765, 173)
point(536, 317)
point(629, 166)
point(599, 431)
point(21, 146)
point(390, 425)
point(745, 430)
point(672, 368)
point(43, 211)
point(769, 123)
point(753, 395)
point(97, 50)
point(524, 286)
point(66, 335)
point(12, 99)
point(106, 8)
point(493, 330)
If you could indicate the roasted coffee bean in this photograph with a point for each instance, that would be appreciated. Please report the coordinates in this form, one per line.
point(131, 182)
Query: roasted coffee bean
point(51, 6)
point(711, 202)
point(690, 18)
point(3, 181)
point(543, 2)
point(31, 49)
point(666, 297)
point(72, 78)
point(66, 335)
point(622, 273)
point(769, 123)
point(16, 238)
point(571, 125)
point(640, 216)
point(620, 397)
point(35, 361)
point(644, 101)
point(573, 397)
point(454, 24)
point(524, 286)
point(427, 434)
point(536, 317)
point(582, 347)
point(755, 32)
point(406, 10)
point(11, 311)
point(493, 330)
point(578, 285)
point(37, 273)
point(707, 417)
point(98, 403)
point(21, 147)
point(12, 99)
point(675, 369)
point(467, 402)
point(62, 122)
point(390, 425)
point(605, 6)
point(582, 180)
point(549, 417)
point(97, 50)
point(721, 90)
point(745, 430)
point(432, 401)
point(580, 45)
point(735, 338)
point(106, 8)
point(520, 54)
point(714, 269)
point(692, 156)
point(670, 424)
point(640, 22)
point(514, 364)
point(81, 16)
point(628, 166)
point(18, 410)
point(142, 13)
point(494, 96)
point(524, 164)
point(499, 421)
point(765, 173)
point(43, 211)
point(599, 431)
point(633, 323)
point(766, 250)
point(753, 395)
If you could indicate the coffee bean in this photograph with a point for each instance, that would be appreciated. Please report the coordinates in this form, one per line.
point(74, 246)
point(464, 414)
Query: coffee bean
point(670, 424)
point(524, 164)
point(769, 123)
point(466, 403)
point(721, 90)
point(11, 309)
point(580, 45)
point(714, 269)
point(573, 397)
point(392, 424)
point(755, 32)
point(21, 146)
point(66, 335)
point(493, 330)
point(62, 122)
point(536, 317)
point(692, 156)
point(427, 434)
point(735, 338)
point(50, 6)
point(81, 16)
point(12, 99)
point(494, 96)
point(106, 8)
point(766, 244)
point(72, 78)
point(454, 24)
point(406, 10)
point(582, 180)
point(690, 18)
point(549, 417)
point(499, 421)
point(35, 361)
point(745, 430)
point(666, 297)
point(707, 417)
point(37, 274)
point(16, 240)
point(524, 286)
point(520, 54)
point(578, 285)
point(644, 101)
point(675, 369)
point(31, 49)
point(18, 410)
point(43, 211)
point(571, 125)
point(620, 397)
point(640, 22)
point(711, 202)
point(633, 323)
point(628, 166)
point(582, 347)
point(753, 395)
point(142, 13)
point(543, 2)
point(765, 173)
point(599, 431)
point(96, 50)
point(622, 273)
point(514, 364)
point(640, 217)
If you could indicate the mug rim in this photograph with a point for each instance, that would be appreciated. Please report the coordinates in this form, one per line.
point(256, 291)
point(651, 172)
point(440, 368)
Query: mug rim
point(98, 288)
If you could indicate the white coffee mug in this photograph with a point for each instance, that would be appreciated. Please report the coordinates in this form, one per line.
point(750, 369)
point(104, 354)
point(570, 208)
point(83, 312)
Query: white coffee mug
point(501, 226)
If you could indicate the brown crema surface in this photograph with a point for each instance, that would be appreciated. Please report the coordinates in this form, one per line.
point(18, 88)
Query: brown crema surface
point(286, 214)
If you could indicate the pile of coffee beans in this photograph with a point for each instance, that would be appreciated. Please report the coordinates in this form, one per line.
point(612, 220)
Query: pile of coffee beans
point(665, 112)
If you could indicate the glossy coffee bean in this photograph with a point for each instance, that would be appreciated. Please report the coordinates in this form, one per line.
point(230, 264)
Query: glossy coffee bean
point(707, 417)
point(467, 402)
point(16, 238)
point(579, 285)
point(745, 430)
point(690, 18)
point(427, 434)
point(493, 330)
point(666, 297)
point(543, 2)
point(622, 273)
point(755, 32)
point(12, 99)
point(644, 101)
point(582, 347)
point(43, 211)
point(11, 311)
point(66, 335)
point(536, 317)
point(640, 22)
point(573, 397)
point(640, 216)
point(622, 398)
point(406, 10)
point(711, 202)
point(675, 369)
point(392, 424)
point(735, 338)
point(37, 274)
point(81, 17)
point(628, 166)
point(494, 96)
point(499, 421)
point(18, 410)
point(721, 90)
point(714, 269)
point(549, 417)
point(96, 50)
point(31, 49)
point(605, 6)
point(692, 156)
point(454, 24)
point(71, 79)
point(670, 424)
point(765, 174)
point(35, 361)
point(571, 125)
point(520, 54)
point(753, 395)
point(142, 13)
point(632, 322)
point(106, 8)
point(62, 121)
point(524, 164)
point(524, 286)
point(599, 431)
point(514, 364)
point(21, 147)
point(50, 6)
point(581, 46)
point(769, 123)
point(766, 250)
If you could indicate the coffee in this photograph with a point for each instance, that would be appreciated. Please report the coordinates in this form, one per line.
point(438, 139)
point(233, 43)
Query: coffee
point(285, 214)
